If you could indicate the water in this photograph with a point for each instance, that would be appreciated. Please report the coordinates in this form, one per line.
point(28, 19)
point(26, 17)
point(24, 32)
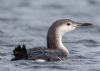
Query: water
point(27, 22)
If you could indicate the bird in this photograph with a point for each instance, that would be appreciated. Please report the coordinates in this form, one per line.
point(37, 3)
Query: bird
point(55, 50)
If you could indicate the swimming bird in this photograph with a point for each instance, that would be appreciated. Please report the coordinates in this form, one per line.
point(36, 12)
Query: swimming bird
point(55, 50)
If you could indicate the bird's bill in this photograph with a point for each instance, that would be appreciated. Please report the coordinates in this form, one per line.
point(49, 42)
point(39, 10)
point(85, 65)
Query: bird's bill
point(84, 24)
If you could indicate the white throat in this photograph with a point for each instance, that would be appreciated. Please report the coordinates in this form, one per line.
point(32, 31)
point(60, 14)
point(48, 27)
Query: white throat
point(59, 36)
point(60, 31)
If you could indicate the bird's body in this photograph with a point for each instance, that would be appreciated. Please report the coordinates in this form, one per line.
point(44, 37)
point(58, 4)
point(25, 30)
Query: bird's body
point(55, 50)
point(46, 54)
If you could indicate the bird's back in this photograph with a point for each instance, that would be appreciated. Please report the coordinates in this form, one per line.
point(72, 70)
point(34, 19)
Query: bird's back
point(46, 54)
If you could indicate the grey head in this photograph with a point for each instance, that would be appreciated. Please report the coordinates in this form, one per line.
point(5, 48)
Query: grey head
point(57, 30)
point(66, 25)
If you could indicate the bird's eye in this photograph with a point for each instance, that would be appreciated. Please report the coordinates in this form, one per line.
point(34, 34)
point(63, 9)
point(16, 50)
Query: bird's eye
point(68, 23)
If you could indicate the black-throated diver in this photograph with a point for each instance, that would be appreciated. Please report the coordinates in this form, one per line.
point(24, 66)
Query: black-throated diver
point(55, 50)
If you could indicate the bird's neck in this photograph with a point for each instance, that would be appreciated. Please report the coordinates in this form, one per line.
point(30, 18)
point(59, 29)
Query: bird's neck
point(54, 40)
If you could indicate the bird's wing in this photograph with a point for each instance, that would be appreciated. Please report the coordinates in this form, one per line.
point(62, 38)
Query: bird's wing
point(46, 54)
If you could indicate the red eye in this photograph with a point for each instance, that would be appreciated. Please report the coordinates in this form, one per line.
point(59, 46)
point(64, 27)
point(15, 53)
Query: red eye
point(68, 24)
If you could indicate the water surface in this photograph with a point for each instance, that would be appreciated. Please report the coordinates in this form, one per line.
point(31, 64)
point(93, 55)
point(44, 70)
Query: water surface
point(27, 22)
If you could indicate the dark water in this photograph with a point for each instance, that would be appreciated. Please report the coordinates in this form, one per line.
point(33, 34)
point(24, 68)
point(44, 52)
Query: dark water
point(27, 22)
